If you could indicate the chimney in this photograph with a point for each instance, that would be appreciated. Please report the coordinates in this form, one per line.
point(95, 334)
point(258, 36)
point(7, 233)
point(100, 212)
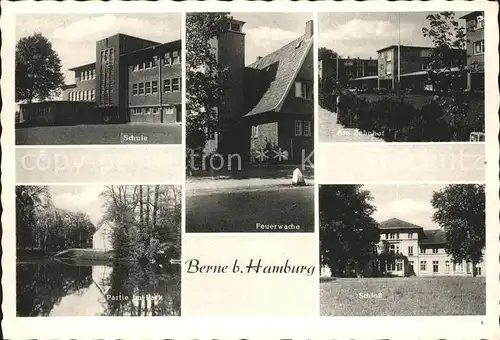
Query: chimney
point(309, 29)
point(259, 58)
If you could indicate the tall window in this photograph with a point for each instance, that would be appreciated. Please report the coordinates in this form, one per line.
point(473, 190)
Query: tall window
point(255, 131)
point(410, 235)
point(388, 56)
point(303, 90)
point(135, 89)
point(447, 267)
point(392, 248)
point(176, 58)
point(176, 85)
point(93, 94)
point(307, 128)
point(423, 266)
point(298, 128)
point(422, 250)
point(154, 86)
point(459, 267)
point(435, 266)
point(388, 69)
point(167, 59)
point(141, 88)
point(480, 22)
point(399, 265)
point(167, 85)
point(435, 250)
point(410, 250)
point(479, 47)
point(148, 87)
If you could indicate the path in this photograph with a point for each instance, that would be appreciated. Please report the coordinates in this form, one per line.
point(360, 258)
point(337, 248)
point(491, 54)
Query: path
point(331, 131)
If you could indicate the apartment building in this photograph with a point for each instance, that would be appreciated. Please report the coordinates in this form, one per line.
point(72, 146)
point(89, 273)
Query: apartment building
point(474, 25)
point(269, 101)
point(132, 80)
point(419, 251)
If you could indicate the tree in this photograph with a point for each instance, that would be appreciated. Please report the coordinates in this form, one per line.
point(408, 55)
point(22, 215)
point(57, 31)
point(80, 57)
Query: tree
point(38, 69)
point(204, 76)
point(326, 53)
point(449, 39)
point(147, 220)
point(348, 233)
point(460, 211)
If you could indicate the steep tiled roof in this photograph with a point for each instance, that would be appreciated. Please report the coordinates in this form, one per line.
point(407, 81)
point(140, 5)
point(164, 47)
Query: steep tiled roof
point(396, 223)
point(289, 60)
point(435, 236)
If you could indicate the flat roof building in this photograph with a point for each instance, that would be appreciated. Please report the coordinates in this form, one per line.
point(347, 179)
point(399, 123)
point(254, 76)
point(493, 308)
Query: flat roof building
point(474, 26)
point(131, 80)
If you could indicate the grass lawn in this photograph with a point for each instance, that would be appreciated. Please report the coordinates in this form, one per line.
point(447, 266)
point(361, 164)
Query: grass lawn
point(240, 209)
point(404, 296)
point(142, 133)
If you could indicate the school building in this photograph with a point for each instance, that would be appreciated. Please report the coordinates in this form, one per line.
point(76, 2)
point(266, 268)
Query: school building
point(268, 102)
point(131, 80)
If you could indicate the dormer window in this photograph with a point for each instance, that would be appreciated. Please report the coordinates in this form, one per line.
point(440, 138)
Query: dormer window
point(234, 27)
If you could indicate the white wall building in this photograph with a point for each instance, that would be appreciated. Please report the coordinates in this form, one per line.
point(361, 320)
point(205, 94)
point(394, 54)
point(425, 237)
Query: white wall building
point(102, 237)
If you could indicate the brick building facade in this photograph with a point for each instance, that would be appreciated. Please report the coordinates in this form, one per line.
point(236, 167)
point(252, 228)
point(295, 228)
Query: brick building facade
point(132, 80)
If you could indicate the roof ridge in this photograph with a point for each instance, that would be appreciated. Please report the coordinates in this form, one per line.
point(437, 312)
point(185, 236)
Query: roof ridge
point(275, 51)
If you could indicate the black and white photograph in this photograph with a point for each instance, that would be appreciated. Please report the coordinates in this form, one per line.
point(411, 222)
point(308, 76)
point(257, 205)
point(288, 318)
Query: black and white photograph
point(98, 250)
point(401, 77)
point(402, 250)
point(249, 122)
point(90, 79)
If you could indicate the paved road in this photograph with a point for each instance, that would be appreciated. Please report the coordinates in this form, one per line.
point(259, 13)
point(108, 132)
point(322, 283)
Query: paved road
point(331, 131)
point(241, 209)
point(132, 133)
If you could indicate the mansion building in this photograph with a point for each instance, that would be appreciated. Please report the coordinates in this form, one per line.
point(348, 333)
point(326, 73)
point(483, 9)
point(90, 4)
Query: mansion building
point(421, 251)
point(268, 102)
point(131, 80)
point(415, 251)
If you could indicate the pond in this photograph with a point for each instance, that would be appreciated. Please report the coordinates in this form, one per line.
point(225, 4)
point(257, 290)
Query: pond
point(53, 287)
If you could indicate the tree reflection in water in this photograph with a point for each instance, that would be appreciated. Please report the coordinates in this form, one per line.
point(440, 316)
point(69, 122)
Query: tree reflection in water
point(148, 290)
point(118, 289)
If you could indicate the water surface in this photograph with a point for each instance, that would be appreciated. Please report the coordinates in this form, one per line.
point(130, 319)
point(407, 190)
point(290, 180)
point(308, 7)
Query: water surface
point(52, 287)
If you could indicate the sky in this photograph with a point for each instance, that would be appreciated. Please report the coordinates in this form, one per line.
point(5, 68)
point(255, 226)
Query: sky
point(362, 34)
point(267, 32)
point(408, 202)
point(73, 36)
point(79, 198)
